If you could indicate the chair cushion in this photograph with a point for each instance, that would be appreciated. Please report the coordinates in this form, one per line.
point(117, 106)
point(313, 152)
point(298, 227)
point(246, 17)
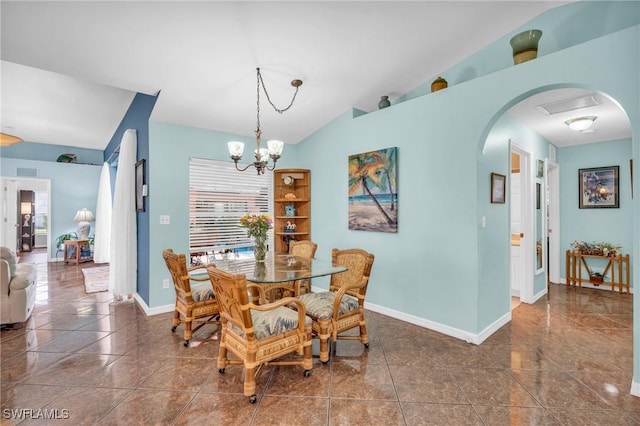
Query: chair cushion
point(201, 291)
point(320, 305)
point(270, 323)
point(11, 258)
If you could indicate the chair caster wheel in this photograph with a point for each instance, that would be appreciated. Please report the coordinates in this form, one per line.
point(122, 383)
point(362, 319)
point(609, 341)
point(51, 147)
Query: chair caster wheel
point(173, 329)
point(253, 398)
point(221, 370)
point(307, 373)
point(186, 343)
point(324, 362)
point(366, 345)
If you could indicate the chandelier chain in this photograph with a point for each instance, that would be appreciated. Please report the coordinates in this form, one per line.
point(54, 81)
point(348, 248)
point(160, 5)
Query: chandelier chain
point(280, 111)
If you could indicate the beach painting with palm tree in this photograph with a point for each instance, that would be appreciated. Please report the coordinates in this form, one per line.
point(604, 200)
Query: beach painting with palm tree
point(373, 191)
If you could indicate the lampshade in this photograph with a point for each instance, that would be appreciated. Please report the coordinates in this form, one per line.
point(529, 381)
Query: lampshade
point(83, 217)
point(275, 146)
point(581, 124)
point(8, 140)
point(25, 208)
point(235, 148)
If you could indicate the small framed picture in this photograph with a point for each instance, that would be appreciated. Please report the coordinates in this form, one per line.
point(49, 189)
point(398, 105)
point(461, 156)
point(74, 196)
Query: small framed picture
point(140, 186)
point(498, 188)
point(540, 170)
point(598, 187)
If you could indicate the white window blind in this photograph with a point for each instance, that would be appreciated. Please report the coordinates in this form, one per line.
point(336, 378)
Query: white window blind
point(218, 196)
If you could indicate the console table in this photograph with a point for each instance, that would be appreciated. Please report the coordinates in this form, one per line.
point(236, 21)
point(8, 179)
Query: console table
point(616, 269)
point(77, 251)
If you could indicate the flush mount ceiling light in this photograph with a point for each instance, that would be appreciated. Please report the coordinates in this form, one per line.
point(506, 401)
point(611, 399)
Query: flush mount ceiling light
point(581, 124)
point(8, 140)
point(274, 147)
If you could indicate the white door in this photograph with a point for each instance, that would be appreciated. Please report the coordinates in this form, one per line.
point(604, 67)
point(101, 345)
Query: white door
point(516, 229)
point(524, 268)
point(9, 214)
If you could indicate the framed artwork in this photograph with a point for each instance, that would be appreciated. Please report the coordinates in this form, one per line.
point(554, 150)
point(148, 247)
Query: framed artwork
point(373, 191)
point(498, 188)
point(140, 186)
point(598, 187)
point(540, 170)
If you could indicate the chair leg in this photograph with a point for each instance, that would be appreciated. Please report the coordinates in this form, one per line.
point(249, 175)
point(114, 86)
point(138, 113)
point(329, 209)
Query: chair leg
point(176, 320)
point(250, 383)
point(324, 337)
point(364, 338)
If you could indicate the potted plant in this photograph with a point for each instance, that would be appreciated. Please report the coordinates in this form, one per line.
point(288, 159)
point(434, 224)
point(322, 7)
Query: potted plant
point(62, 238)
point(595, 249)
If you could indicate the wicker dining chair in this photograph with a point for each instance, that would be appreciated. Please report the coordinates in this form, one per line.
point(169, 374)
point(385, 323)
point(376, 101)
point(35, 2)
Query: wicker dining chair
point(306, 249)
point(342, 307)
point(195, 298)
point(258, 334)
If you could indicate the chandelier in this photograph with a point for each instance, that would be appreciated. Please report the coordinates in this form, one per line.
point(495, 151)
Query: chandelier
point(274, 147)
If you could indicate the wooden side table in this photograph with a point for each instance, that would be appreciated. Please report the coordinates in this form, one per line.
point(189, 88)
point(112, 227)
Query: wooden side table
point(77, 251)
point(615, 267)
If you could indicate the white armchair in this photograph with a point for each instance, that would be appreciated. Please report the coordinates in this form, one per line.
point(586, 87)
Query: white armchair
point(18, 288)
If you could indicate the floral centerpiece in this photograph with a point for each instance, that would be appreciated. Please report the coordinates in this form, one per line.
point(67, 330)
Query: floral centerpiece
point(596, 249)
point(257, 226)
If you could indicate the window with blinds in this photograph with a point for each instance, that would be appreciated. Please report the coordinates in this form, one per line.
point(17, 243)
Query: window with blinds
point(218, 196)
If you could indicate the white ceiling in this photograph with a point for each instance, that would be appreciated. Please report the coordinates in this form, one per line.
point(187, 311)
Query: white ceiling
point(70, 69)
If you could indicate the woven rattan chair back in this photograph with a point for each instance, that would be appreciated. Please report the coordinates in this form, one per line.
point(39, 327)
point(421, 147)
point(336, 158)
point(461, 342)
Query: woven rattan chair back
point(258, 335)
point(358, 263)
point(306, 249)
point(189, 309)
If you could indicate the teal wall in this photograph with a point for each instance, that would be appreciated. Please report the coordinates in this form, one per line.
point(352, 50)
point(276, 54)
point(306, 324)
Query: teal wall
point(562, 27)
point(608, 225)
point(170, 148)
point(47, 152)
point(73, 187)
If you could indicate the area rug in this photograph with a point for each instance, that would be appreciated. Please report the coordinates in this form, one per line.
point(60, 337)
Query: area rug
point(96, 279)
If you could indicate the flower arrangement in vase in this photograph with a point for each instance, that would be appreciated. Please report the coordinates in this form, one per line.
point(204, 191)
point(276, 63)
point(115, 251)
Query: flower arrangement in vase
point(257, 226)
point(595, 249)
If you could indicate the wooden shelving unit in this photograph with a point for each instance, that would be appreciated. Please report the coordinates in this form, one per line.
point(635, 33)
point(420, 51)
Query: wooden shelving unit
point(291, 192)
point(614, 270)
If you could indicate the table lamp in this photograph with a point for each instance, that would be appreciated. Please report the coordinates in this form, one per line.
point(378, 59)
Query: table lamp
point(83, 217)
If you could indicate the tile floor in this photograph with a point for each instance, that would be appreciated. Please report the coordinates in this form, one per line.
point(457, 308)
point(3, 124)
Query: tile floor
point(563, 361)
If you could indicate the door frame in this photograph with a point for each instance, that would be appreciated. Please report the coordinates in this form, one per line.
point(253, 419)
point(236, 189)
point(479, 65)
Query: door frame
point(527, 208)
point(552, 224)
point(10, 204)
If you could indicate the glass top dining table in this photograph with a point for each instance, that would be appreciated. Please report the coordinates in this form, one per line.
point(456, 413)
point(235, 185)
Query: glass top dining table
point(278, 268)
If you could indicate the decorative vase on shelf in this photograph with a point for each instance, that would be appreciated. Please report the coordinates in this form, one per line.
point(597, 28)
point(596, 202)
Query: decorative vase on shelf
point(384, 102)
point(439, 84)
point(260, 247)
point(525, 46)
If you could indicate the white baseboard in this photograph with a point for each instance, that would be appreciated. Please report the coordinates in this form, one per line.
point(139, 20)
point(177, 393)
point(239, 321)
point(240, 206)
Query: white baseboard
point(442, 328)
point(635, 388)
point(152, 311)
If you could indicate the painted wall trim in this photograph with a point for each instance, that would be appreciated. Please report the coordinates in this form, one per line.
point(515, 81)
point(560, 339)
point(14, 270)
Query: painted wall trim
point(635, 388)
point(152, 311)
